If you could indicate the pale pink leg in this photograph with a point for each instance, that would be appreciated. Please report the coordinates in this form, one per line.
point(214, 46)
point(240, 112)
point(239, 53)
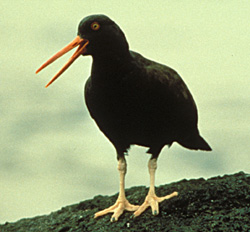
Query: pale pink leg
point(151, 199)
point(121, 203)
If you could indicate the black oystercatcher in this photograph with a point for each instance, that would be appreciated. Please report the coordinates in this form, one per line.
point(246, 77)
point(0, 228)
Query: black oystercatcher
point(134, 101)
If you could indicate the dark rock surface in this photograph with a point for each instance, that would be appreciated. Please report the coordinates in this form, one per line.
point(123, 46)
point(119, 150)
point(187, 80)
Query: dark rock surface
point(216, 204)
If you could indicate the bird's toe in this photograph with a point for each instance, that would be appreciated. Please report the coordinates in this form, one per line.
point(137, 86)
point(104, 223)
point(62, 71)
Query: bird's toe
point(153, 202)
point(117, 209)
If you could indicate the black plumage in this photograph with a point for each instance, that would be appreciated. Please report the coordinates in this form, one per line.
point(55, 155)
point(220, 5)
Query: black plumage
point(133, 100)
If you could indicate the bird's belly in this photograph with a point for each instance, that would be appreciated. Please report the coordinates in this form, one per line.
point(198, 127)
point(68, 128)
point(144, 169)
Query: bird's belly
point(127, 117)
point(132, 125)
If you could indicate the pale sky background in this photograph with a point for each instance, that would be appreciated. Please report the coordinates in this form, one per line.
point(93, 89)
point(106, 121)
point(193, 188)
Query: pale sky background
point(51, 152)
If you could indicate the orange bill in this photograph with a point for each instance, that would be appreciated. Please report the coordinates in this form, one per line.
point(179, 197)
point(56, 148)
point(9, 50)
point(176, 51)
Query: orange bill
point(81, 43)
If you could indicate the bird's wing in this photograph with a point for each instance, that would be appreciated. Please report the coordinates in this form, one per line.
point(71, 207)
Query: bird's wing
point(163, 77)
point(159, 77)
point(166, 91)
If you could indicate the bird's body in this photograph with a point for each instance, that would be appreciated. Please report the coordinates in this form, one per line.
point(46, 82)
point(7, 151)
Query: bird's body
point(133, 100)
point(142, 103)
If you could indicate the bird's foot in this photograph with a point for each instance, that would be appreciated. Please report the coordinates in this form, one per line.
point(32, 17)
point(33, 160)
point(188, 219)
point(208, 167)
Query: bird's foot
point(117, 209)
point(153, 201)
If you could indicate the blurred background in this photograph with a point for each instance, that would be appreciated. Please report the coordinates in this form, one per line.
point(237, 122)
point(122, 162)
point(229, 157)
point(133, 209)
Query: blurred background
point(51, 152)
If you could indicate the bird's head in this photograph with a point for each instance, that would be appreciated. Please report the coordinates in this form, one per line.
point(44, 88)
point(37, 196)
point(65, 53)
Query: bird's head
point(103, 34)
point(97, 36)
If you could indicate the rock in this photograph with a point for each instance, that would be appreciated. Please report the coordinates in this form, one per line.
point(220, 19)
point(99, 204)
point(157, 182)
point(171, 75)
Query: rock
point(216, 204)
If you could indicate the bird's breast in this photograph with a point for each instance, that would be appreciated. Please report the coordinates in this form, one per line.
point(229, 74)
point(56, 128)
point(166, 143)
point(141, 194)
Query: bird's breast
point(124, 112)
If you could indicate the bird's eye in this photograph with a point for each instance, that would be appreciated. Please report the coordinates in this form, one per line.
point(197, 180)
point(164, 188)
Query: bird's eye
point(95, 26)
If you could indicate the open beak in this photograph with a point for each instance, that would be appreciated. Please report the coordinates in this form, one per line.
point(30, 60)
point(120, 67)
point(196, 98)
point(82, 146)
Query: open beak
point(82, 43)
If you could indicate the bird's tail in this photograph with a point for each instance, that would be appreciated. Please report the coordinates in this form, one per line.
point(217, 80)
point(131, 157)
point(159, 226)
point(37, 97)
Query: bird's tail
point(195, 143)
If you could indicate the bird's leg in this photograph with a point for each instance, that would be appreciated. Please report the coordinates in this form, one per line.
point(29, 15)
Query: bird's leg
point(151, 199)
point(121, 203)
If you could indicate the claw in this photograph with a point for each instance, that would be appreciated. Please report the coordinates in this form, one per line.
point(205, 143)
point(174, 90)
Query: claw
point(117, 209)
point(152, 201)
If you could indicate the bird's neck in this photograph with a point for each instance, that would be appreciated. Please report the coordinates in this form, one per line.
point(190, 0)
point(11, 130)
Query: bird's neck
point(110, 66)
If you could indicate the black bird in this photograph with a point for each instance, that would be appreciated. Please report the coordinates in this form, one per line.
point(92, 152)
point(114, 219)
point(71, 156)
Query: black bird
point(134, 101)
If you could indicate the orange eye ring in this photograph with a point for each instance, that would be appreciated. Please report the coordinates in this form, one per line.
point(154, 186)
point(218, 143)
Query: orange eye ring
point(95, 26)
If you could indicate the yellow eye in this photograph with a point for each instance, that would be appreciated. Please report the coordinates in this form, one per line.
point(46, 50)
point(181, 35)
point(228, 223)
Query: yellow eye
point(95, 26)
